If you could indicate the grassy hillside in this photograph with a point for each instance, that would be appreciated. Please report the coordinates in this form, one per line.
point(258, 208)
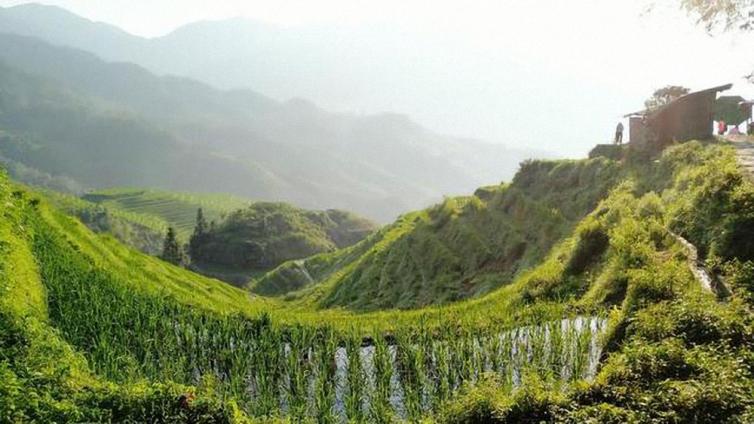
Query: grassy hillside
point(242, 238)
point(674, 352)
point(464, 247)
point(141, 231)
point(176, 209)
point(262, 235)
point(44, 377)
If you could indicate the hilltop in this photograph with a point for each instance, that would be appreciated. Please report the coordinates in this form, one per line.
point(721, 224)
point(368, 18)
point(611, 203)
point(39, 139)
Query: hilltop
point(614, 258)
point(263, 235)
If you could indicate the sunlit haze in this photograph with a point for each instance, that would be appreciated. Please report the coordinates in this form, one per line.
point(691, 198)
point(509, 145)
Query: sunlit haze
point(549, 75)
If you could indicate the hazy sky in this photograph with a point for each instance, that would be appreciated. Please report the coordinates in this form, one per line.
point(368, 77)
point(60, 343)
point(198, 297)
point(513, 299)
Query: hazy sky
point(593, 60)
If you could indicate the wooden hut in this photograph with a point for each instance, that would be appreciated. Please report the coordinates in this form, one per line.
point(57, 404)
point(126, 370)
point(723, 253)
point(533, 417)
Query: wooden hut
point(688, 117)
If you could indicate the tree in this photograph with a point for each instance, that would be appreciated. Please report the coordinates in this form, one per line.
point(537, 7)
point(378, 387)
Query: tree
point(201, 223)
point(664, 96)
point(723, 15)
point(171, 250)
point(200, 233)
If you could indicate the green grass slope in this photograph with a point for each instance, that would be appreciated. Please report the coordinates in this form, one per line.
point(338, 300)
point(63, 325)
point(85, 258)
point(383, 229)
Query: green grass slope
point(96, 331)
point(264, 234)
point(464, 247)
point(675, 353)
point(246, 238)
point(43, 378)
point(142, 231)
point(170, 208)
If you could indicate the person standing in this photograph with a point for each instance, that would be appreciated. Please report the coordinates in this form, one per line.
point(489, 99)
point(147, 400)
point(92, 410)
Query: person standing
point(721, 127)
point(619, 133)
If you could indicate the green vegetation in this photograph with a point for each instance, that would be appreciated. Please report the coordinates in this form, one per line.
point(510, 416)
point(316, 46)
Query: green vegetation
point(665, 95)
point(167, 208)
point(171, 251)
point(263, 235)
point(464, 247)
point(146, 331)
point(138, 230)
point(677, 354)
point(44, 379)
point(237, 238)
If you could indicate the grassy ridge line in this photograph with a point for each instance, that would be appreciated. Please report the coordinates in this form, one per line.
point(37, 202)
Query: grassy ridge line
point(265, 234)
point(144, 232)
point(151, 274)
point(463, 247)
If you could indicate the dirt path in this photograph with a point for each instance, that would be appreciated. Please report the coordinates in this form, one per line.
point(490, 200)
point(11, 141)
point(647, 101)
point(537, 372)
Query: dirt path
point(745, 151)
point(696, 267)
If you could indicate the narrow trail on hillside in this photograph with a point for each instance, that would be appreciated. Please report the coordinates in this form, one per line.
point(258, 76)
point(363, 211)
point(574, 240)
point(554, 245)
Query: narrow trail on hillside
point(745, 154)
point(696, 267)
point(706, 279)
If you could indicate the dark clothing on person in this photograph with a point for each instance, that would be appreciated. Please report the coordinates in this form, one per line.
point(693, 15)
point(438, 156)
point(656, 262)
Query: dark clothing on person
point(619, 133)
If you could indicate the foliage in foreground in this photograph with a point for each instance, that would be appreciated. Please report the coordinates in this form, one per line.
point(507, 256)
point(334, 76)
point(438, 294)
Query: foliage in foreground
point(676, 356)
point(674, 352)
point(43, 379)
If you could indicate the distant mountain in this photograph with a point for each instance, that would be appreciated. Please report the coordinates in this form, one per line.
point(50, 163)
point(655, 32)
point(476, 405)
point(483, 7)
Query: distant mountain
point(86, 116)
point(315, 62)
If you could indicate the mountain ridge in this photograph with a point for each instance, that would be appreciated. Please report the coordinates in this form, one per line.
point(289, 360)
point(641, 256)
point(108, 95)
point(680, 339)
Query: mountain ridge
point(379, 165)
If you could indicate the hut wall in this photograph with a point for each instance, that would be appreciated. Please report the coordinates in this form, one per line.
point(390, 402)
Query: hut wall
point(638, 131)
point(689, 118)
point(695, 119)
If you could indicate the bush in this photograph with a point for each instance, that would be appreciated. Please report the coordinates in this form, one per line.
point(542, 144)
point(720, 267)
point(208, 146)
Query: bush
point(591, 244)
point(533, 402)
point(696, 321)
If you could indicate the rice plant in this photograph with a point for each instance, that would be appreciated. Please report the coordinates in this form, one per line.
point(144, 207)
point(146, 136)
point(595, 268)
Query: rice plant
point(298, 371)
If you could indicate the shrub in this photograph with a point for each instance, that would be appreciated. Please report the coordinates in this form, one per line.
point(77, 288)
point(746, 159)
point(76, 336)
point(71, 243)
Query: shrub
point(591, 244)
point(698, 320)
point(485, 403)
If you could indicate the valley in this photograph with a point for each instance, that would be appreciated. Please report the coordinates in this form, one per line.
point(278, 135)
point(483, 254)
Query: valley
point(176, 247)
point(618, 262)
point(84, 123)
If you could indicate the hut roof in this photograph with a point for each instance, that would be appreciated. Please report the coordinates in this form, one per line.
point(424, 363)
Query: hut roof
point(685, 97)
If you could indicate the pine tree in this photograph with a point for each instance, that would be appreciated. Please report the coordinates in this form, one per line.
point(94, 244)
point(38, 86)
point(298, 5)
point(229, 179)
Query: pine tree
point(200, 231)
point(171, 250)
point(201, 223)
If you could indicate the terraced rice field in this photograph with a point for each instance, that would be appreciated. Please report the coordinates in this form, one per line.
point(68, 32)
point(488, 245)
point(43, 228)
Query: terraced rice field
point(174, 208)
